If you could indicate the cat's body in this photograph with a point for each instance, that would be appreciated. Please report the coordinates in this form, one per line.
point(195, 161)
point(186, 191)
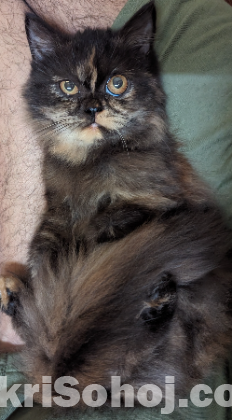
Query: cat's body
point(128, 166)
point(128, 273)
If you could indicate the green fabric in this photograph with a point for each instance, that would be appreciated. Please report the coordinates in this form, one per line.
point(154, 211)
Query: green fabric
point(212, 412)
point(7, 368)
point(194, 45)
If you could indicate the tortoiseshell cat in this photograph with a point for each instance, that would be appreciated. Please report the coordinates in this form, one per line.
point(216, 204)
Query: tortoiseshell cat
point(127, 271)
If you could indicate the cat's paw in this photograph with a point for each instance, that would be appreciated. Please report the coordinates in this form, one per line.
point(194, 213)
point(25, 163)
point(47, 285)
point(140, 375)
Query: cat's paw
point(161, 302)
point(118, 222)
point(9, 288)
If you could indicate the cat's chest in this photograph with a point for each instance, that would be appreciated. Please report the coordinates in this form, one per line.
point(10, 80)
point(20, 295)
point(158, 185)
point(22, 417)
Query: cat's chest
point(109, 210)
point(109, 200)
point(113, 197)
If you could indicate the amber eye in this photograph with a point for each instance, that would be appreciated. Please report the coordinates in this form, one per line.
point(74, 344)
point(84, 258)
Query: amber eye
point(68, 87)
point(116, 85)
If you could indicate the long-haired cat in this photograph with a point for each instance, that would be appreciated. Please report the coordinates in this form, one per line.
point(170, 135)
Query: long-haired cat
point(128, 273)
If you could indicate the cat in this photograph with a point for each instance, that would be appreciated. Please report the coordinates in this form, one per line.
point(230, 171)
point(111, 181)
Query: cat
point(128, 270)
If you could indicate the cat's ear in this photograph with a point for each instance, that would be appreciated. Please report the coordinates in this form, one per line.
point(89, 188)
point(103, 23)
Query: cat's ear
point(40, 36)
point(140, 29)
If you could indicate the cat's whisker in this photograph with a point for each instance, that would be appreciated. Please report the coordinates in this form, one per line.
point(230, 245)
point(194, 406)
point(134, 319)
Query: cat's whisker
point(48, 126)
point(43, 130)
point(54, 123)
point(124, 144)
point(55, 128)
point(71, 129)
point(52, 131)
point(61, 129)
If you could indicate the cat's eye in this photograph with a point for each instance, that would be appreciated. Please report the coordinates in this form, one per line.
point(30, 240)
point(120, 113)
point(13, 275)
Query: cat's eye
point(116, 85)
point(68, 87)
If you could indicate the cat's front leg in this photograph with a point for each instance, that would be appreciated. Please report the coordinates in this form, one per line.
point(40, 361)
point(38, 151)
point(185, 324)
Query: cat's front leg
point(13, 281)
point(52, 247)
point(47, 246)
point(118, 221)
point(52, 244)
point(10, 287)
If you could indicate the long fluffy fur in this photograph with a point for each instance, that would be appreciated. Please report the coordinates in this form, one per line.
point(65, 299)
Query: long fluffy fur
point(128, 269)
point(106, 314)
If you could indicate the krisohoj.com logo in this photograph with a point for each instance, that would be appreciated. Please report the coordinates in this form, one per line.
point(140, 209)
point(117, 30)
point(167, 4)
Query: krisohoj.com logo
point(95, 395)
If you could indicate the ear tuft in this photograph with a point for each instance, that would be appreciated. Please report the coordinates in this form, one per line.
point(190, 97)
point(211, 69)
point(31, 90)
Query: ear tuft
point(40, 36)
point(140, 29)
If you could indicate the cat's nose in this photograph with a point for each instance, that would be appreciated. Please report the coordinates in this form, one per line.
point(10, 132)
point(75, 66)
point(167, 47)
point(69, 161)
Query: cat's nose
point(93, 110)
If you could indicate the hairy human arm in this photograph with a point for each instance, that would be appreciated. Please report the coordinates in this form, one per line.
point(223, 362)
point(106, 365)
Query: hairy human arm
point(21, 190)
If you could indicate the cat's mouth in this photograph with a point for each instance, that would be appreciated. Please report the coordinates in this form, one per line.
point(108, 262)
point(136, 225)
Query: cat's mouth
point(94, 126)
point(90, 133)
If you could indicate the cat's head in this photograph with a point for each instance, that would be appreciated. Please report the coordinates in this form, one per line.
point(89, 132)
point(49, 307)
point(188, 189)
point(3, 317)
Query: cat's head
point(96, 89)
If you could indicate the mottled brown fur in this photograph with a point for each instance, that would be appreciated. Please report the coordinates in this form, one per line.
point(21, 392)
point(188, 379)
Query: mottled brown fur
point(128, 273)
point(97, 324)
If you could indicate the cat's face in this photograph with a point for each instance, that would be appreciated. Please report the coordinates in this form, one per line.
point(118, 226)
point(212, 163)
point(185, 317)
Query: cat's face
point(96, 89)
